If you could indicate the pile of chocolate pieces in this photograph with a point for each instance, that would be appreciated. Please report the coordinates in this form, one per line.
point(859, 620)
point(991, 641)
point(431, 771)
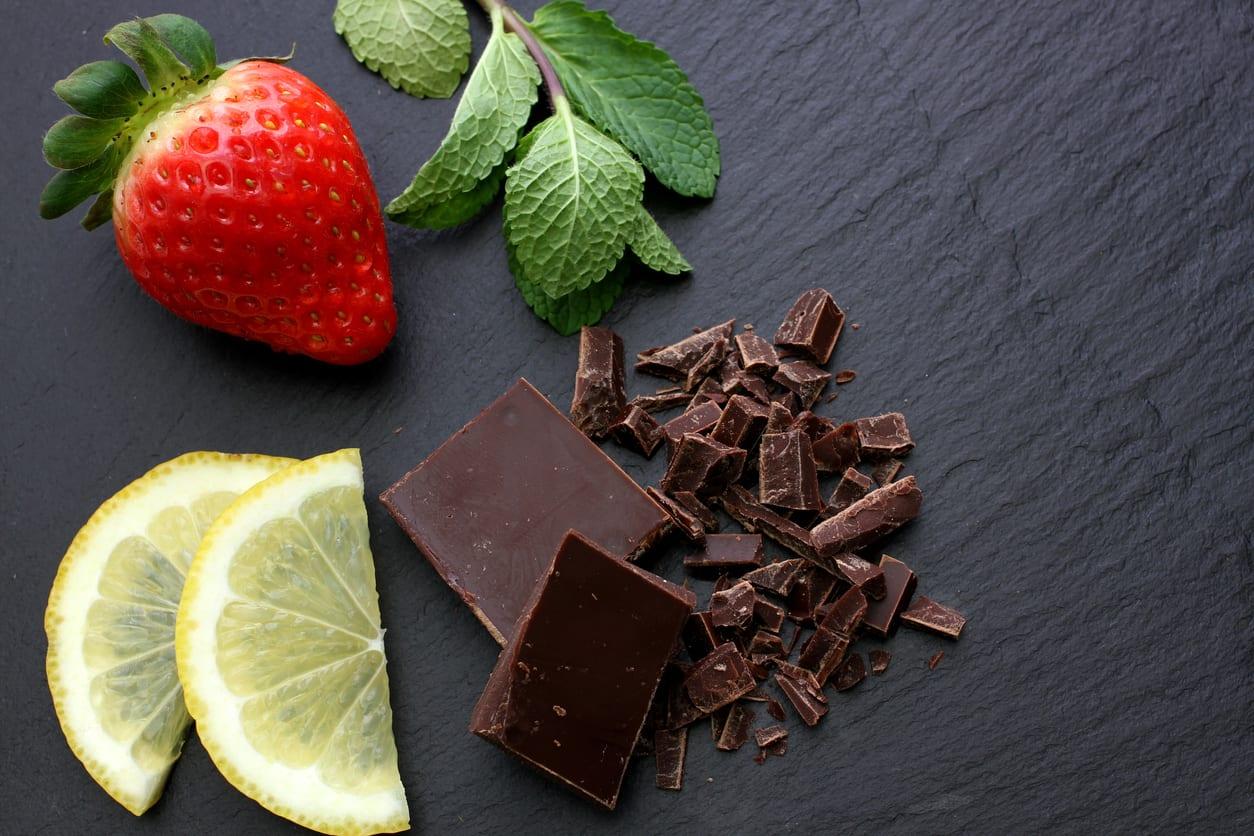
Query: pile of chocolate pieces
point(749, 443)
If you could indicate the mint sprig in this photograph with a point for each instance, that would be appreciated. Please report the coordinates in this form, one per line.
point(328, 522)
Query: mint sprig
point(419, 46)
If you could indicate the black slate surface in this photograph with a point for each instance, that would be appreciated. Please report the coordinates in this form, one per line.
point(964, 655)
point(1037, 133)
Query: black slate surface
point(1043, 217)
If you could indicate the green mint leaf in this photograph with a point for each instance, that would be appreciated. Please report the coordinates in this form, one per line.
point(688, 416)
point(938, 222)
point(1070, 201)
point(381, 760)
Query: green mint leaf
point(654, 249)
point(455, 209)
point(492, 111)
point(102, 90)
point(569, 313)
point(634, 92)
point(75, 141)
point(145, 46)
point(419, 46)
point(570, 203)
point(190, 41)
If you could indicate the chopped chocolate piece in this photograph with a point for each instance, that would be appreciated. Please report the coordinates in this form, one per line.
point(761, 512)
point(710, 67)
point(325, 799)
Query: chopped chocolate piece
point(756, 517)
point(600, 396)
point(768, 614)
point(853, 486)
point(810, 591)
point(717, 720)
point(814, 426)
point(703, 466)
point(845, 376)
point(721, 582)
point(699, 636)
point(879, 661)
point(708, 362)
point(885, 472)
point(899, 583)
point(697, 508)
point(712, 390)
point(802, 378)
point(927, 614)
point(741, 423)
point(652, 721)
point(775, 709)
point(810, 705)
point(669, 748)
point(674, 361)
point(681, 518)
point(837, 450)
point(935, 660)
point(788, 400)
point(776, 577)
point(727, 551)
point(733, 607)
point(761, 668)
point(751, 385)
point(796, 637)
point(796, 672)
point(786, 472)
point(812, 325)
point(680, 710)
point(846, 612)
point(638, 430)
point(771, 734)
point(880, 512)
point(851, 672)
point(884, 436)
point(823, 652)
point(766, 642)
point(660, 402)
point(719, 679)
point(735, 729)
point(756, 354)
point(861, 573)
point(779, 420)
point(696, 420)
point(490, 507)
point(582, 647)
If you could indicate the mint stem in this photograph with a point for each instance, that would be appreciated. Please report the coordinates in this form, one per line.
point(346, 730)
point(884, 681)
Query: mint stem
point(515, 24)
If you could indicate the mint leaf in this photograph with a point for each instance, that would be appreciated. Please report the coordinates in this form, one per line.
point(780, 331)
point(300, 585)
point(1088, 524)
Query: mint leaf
point(455, 209)
point(571, 312)
point(570, 203)
point(493, 109)
point(652, 246)
point(419, 46)
point(633, 91)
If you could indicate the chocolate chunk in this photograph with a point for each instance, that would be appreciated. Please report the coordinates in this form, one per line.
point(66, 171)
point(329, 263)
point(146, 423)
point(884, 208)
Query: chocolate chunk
point(810, 705)
point(722, 582)
point(766, 643)
point(696, 420)
point(878, 513)
point(885, 472)
point(935, 660)
point(823, 652)
point(660, 402)
point(884, 436)
point(786, 472)
point(851, 672)
point(810, 591)
point(845, 376)
point(748, 384)
point(680, 710)
point(861, 573)
point(756, 354)
point(837, 450)
point(846, 612)
point(719, 679)
point(727, 551)
point(803, 379)
point(736, 728)
point(756, 517)
point(697, 508)
point(490, 507)
point(775, 708)
point(768, 614)
point(777, 578)
point(600, 394)
point(674, 361)
point(899, 583)
point(779, 420)
point(699, 636)
point(787, 400)
point(812, 325)
point(733, 607)
point(879, 661)
point(708, 362)
point(741, 423)
point(853, 486)
point(927, 614)
point(683, 520)
point(570, 693)
point(670, 748)
point(703, 466)
point(637, 430)
point(814, 426)
point(771, 734)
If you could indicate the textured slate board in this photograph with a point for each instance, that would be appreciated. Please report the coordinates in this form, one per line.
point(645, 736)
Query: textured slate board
point(1042, 216)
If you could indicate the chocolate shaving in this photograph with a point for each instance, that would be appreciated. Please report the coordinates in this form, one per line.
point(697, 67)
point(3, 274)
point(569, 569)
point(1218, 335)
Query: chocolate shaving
point(884, 435)
point(703, 466)
point(935, 660)
point(879, 661)
point(670, 748)
point(851, 672)
point(878, 513)
point(926, 614)
point(786, 472)
point(681, 518)
point(812, 326)
point(802, 378)
point(600, 396)
point(719, 679)
point(733, 607)
point(674, 361)
point(637, 430)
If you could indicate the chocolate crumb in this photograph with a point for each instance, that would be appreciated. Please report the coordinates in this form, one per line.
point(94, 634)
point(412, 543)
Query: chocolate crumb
point(851, 672)
point(926, 614)
point(845, 376)
point(764, 737)
point(935, 660)
point(879, 661)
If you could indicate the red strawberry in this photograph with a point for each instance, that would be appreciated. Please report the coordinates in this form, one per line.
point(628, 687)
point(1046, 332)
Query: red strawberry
point(239, 195)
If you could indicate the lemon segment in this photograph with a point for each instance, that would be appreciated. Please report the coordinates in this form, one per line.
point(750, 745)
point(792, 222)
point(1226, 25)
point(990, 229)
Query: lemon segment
point(280, 650)
point(111, 617)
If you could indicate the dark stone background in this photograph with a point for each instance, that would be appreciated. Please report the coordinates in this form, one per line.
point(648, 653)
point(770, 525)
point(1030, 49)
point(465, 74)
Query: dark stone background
point(1041, 213)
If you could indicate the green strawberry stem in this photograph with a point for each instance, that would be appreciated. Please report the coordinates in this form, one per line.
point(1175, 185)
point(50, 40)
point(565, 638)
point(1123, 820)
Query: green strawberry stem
point(515, 24)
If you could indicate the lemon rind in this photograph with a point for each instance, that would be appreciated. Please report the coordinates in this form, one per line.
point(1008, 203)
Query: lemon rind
point(295, 794)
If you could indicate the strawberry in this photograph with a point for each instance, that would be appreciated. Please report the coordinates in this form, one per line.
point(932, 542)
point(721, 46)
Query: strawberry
point(239, 196)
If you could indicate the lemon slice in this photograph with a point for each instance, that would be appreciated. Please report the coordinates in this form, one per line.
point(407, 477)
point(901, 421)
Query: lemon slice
point(281, 653)
point(111, 613)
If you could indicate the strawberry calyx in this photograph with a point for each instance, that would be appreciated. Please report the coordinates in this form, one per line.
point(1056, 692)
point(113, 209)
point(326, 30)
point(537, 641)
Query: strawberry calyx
point(178, 60)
